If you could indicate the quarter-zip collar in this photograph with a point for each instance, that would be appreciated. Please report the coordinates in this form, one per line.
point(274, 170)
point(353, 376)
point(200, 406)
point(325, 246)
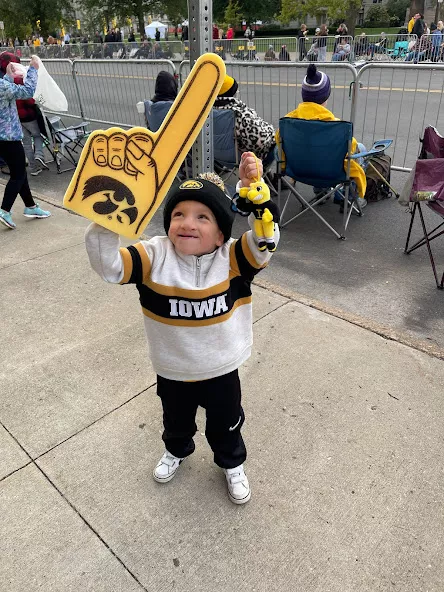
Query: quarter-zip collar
point(199, 266)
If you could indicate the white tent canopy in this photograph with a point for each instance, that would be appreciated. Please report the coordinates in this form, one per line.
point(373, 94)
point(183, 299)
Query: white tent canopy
point(150, 30)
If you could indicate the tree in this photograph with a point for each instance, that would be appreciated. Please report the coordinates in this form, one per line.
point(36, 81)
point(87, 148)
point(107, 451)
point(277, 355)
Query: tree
point(398, 8)
point(232, 14)
point(336, 10)
point(176, 11)
point(248, 10)
point(21, 17)
point(377, 16)
point(107, 9)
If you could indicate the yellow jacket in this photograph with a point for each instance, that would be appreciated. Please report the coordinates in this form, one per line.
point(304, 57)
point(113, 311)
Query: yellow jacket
point(411, 25)
point(318, 112)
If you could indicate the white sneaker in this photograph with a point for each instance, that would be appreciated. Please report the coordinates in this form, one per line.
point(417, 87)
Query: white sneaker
point(238, 487)
point(166, 467)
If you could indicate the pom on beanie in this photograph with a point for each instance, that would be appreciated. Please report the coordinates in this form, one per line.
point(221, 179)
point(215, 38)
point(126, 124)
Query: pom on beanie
point(316, 86)
point(228, 88)
point(206, 189)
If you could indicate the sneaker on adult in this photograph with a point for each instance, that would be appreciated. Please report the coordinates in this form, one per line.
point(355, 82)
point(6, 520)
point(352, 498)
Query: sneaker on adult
point(42, 162)
point(36, 170)
point(238, 487)
point(6, 219)
point(5, 170)
point(166, 468)
point(36, 212)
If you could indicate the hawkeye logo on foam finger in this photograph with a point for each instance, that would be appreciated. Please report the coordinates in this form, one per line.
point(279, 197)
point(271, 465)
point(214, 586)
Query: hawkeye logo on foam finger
point(191, 185)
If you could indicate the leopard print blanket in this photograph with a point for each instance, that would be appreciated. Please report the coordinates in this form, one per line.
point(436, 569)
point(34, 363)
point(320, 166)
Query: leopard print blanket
point(252, 133)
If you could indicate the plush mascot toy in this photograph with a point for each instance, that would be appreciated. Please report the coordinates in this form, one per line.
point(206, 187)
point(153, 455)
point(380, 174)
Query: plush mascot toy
point(255, 199)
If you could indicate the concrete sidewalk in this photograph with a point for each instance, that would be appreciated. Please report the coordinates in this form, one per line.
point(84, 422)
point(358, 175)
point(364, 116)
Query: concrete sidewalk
point(344, 431)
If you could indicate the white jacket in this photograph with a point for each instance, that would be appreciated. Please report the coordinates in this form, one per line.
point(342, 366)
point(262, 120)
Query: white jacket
point(197, 310)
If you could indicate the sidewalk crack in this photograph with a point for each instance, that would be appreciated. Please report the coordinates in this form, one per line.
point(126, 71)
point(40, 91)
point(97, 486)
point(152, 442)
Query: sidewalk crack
point(40, 256)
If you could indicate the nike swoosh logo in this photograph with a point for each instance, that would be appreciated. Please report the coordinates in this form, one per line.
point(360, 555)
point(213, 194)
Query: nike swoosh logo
point(235, 426)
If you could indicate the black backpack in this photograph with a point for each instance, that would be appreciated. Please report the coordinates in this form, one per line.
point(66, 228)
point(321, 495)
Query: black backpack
point(376, 188)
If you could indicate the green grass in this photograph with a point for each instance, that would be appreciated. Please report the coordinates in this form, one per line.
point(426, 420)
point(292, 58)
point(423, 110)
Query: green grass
point(377, 30)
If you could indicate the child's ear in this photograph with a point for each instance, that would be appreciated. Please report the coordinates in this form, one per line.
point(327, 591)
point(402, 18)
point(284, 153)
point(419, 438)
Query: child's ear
point(220, 239)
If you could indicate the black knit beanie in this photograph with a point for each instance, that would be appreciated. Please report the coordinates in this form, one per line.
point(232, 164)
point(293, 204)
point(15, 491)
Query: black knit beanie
point(204, 192)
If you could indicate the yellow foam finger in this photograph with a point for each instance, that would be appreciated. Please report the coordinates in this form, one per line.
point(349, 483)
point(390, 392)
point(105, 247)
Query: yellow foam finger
point(123, 175)
point(99, 146)
point(116, 151)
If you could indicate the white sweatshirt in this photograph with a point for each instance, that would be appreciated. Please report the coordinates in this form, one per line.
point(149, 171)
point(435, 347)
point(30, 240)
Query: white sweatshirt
point(197, 310)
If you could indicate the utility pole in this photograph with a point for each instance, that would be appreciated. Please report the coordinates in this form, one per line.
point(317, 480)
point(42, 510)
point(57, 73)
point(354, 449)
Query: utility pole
point(200, 35)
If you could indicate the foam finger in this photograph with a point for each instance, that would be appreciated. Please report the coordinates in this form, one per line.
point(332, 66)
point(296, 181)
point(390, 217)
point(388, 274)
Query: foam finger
point(187, 114)
point(138, 151)
point(99, 147)
point(116, 151)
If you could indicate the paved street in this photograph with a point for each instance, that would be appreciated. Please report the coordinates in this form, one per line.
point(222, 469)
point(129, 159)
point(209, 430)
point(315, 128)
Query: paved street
point(343, 429)
point(392, 103)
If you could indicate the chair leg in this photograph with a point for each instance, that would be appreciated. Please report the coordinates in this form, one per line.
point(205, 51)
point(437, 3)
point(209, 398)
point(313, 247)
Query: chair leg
point(412, 218)
point(432, 259)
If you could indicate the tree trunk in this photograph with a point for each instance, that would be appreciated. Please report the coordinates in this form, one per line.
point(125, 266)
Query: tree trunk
point(350, 21)
point(141, 20)
point(416, 6)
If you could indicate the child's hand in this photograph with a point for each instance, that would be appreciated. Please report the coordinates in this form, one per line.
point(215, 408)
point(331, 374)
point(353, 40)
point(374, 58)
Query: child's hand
point(248, 169)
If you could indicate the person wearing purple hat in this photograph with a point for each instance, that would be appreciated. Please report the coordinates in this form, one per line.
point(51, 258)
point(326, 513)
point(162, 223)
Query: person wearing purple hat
point(316, 89)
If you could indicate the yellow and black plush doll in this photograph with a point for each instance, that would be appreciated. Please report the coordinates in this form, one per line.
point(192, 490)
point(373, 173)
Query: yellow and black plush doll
point(255, 199)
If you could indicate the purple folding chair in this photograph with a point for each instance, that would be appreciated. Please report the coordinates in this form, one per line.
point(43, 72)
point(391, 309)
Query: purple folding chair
point(428, 188)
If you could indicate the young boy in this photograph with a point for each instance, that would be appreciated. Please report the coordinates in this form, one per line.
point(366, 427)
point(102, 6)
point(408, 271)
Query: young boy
point(195, 292)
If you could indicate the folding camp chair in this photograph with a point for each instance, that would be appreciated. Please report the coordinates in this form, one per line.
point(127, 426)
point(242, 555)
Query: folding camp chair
point(313, 152)
point(426, 185)
point(399, 51)
point(226, 158)
point(64, 142)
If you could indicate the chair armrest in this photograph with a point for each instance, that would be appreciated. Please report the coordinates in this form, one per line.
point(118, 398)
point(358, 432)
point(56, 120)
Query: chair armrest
point(377, 148)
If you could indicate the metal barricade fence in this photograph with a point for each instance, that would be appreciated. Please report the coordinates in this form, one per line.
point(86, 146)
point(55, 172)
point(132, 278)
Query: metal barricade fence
point(326, 48)
point(383, 47)
point(274, 89)
point(164, 50)
point(110, 89)
point(388, 100)
point(429, 48)
point(398, 101)
point(62, 72)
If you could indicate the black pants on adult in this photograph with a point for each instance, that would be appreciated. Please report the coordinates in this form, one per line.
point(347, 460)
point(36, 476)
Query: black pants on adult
point(221, 398)
point(14, 156)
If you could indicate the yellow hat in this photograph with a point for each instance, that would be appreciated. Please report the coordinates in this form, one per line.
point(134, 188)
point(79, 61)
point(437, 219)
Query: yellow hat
point(229, 87)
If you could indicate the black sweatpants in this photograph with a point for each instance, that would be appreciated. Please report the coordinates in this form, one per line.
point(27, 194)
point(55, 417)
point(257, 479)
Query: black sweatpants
point(221, 398)
point(14, 156)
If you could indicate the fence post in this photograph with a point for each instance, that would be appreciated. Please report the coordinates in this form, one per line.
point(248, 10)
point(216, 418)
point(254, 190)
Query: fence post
point(200, 34)
point(73, 71)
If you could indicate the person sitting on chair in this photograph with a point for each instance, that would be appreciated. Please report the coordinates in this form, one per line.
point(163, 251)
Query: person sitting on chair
point(270, 55)
point(342, 52)
point(316, 88)
point(253, 133)
point(284, 56)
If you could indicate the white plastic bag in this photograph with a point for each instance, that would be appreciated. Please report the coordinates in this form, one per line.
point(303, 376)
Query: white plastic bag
point(47, 93)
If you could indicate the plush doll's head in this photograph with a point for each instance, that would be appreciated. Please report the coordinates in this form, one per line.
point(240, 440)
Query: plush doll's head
point(259, 192)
